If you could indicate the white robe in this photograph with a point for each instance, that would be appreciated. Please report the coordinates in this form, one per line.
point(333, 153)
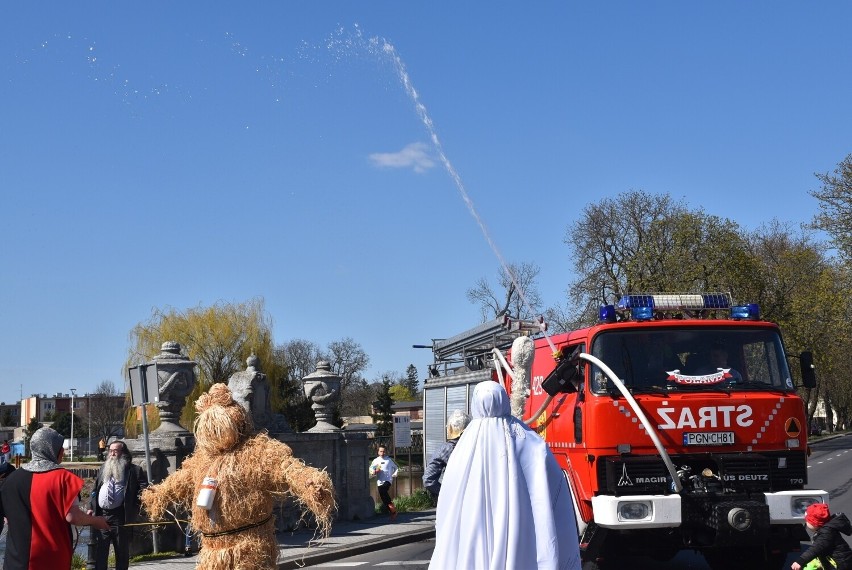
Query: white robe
point(504, 501)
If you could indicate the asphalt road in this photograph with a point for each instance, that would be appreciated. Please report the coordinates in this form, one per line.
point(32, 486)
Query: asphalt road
point(829, 468)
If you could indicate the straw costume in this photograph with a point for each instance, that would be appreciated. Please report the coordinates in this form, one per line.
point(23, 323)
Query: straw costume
point(252, 472)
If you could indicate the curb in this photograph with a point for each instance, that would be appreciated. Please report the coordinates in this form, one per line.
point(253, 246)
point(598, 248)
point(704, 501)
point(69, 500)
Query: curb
point(345, 551)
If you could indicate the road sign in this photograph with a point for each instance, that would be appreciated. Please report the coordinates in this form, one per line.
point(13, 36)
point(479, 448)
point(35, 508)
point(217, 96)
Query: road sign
point(144, 388)
point(402, 431)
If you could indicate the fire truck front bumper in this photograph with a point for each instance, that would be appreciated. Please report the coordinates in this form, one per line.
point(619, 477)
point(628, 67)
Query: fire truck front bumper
point(665, 511)
point(637, 511)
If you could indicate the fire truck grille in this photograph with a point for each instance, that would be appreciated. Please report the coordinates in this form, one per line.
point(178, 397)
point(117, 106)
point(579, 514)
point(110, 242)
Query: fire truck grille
point(716, 473)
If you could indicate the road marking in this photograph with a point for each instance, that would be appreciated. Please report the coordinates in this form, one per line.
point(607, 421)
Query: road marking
point(404, 563)
point(336, 564)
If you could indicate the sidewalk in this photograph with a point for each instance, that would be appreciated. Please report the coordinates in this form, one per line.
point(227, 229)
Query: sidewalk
point(348, 538)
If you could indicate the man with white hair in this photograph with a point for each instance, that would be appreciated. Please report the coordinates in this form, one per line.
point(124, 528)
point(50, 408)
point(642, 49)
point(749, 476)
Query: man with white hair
point(434, 470)
point(116, 495)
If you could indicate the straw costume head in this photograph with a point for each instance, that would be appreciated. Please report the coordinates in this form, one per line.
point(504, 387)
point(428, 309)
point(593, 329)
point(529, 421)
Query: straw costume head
point(252, 472)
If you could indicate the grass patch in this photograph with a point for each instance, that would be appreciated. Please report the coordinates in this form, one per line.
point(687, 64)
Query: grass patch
point(152, 556)
point(420, 500)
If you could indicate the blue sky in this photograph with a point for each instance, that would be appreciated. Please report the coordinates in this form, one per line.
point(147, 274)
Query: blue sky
point(179, 154)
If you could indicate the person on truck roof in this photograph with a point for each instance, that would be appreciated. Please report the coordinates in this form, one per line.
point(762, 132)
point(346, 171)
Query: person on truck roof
point(504, 502)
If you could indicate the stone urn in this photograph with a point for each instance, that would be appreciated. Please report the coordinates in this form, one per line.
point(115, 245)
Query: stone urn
point(322, 388)
point(176, 379)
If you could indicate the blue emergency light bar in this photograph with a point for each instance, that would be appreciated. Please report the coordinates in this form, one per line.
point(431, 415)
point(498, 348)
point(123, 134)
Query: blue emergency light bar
point(749, 312)
point(676, 301)
point(641, 307)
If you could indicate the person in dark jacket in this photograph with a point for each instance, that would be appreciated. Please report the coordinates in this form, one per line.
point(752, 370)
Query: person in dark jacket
point(5, 469)
point(827, 541)
point(116, 496)
point(456, 423)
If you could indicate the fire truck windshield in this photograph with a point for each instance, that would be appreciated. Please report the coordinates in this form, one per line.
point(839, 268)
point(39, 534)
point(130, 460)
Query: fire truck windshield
point(692, 358)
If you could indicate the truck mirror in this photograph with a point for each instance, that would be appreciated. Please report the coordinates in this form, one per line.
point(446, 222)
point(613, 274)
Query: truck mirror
point(806, 360)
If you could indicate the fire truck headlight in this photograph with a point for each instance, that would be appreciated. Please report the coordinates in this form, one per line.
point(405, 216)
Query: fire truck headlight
point(739, 518)
point(634, 510)
point(798, 505)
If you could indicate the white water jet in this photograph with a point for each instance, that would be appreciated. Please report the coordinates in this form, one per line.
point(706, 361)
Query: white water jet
point(390, 52)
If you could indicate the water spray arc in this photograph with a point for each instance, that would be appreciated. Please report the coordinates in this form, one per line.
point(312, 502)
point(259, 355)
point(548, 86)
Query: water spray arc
point(391, 53)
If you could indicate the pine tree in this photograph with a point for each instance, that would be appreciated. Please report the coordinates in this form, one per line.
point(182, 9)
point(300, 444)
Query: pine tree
point(383, 406)
point(411, 382)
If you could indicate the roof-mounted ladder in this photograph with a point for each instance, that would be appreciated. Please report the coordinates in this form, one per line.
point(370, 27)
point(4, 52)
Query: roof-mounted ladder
point(498, 333)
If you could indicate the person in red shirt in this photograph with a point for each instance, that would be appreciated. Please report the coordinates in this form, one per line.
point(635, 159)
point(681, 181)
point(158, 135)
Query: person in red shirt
point(41, 502)
point(6, 452)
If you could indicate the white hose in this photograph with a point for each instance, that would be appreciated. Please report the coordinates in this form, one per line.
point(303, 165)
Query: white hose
point(502, 360)
point(539, 411)
point(639, 414)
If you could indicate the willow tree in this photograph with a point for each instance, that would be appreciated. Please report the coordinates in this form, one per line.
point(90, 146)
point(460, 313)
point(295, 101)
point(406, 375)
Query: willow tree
point(219, 338)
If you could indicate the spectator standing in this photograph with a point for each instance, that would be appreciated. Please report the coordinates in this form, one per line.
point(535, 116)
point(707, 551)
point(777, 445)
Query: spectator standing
point(434, 470)
point(384, 469)
point(102, 449)
point(39, 501)
point(116, 495)
point(6, 452)
point(5, 470)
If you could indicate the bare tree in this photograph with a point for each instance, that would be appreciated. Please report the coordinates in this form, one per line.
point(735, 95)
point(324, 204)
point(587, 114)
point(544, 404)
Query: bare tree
point(606, 241)
point(349, 361)
point(300, 357)
point(296, 358)
point(106, 410)
point(516, 293)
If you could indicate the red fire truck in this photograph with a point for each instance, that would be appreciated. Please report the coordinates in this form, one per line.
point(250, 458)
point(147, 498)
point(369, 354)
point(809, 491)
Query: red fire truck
point(675, 419)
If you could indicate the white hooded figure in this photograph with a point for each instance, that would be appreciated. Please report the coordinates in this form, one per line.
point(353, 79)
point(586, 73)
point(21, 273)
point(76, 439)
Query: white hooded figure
point(504, 503)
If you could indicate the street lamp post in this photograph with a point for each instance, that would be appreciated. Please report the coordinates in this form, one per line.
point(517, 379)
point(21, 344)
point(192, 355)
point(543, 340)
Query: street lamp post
point(89, 415)
point(73, 393)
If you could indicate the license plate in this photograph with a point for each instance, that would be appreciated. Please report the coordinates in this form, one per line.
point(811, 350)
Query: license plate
point(709, 438)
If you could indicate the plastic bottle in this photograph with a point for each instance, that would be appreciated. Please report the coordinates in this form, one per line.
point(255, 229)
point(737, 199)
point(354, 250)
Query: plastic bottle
point(207, 493)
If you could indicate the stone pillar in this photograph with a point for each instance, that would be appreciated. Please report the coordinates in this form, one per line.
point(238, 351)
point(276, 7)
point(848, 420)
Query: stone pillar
point(322, 388)
point(250, 389)
point(346, 457)
point(170, 443)
point(176, 378)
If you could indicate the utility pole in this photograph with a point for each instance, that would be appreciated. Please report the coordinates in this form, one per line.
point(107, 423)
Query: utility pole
point(73, 393)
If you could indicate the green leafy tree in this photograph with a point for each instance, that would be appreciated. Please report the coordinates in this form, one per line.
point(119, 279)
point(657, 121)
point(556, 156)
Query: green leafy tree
point(401, 393)
point(383, 406)
point(835, 204)
point(218, 338)
point(8, 418)
point(62, 424)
